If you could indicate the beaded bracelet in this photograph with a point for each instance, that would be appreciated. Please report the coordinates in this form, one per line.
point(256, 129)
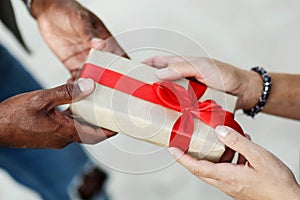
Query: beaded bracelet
point(267, 83)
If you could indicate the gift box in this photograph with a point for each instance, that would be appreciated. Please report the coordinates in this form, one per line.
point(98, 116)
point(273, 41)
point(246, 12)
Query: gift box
point(130, 99)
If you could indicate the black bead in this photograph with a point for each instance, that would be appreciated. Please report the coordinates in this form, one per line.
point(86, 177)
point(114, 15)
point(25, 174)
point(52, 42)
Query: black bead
point(265, 93)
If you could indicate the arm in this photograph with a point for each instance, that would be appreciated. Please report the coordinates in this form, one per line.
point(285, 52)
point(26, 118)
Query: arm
point(247, 85)
point(284, 98)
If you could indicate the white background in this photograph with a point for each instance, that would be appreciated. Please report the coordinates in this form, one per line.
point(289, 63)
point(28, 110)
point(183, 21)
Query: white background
point(243, 33)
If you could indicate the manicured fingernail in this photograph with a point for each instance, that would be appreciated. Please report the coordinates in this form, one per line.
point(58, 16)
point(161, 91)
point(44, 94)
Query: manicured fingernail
point(222, 131)
point(168, 74)
point(175, 152)
point(86, 84)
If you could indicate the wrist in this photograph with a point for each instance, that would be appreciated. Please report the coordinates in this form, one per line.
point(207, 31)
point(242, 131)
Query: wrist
point(38, 7)
point(249, 90)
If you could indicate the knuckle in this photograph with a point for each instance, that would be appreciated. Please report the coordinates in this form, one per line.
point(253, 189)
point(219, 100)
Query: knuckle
point(233, 187)
point(196, 172)
point(199, 172)
point(234, 191)
point(67, 91)
point(179, 66)
point(234, 141)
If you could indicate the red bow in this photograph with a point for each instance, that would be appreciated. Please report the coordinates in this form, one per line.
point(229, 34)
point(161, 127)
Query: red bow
point(185, 101)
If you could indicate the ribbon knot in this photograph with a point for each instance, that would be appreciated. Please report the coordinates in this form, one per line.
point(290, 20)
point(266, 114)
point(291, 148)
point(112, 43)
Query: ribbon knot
point(185, 101)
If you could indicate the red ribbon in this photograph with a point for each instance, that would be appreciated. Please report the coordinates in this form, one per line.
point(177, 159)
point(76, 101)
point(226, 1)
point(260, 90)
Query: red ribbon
point(169, 95)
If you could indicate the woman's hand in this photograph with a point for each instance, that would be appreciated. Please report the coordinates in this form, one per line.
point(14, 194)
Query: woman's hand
point(264, 176)
point(213, 73)
point(71, 31)
point(31, 120)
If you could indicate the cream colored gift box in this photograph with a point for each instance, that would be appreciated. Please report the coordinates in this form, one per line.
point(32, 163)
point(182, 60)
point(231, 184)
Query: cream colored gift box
point(121, 112)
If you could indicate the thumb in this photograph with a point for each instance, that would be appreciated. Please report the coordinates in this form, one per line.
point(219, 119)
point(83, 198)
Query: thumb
point(71, 92)
point(176, 71)
point(239, 143)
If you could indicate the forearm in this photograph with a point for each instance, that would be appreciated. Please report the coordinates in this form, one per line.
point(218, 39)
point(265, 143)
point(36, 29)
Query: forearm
point(284, 99)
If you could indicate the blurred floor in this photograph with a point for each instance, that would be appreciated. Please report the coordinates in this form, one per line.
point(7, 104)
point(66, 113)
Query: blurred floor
point(244, 33)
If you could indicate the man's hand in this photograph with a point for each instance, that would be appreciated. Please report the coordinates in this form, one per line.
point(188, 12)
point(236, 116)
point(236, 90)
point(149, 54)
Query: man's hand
point(264, 176)
point(71, 31)
point(31, 120)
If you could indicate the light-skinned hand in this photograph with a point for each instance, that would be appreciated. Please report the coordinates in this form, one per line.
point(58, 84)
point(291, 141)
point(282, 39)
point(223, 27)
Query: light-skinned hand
point(263, 177)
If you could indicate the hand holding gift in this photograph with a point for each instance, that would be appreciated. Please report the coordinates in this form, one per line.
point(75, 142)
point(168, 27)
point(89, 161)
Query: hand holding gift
point(254, 180)
point(182, 114)
point(264, 176)
point(31, 120)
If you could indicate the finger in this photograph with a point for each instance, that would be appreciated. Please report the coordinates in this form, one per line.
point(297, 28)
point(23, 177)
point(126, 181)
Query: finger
point(241, 159)
point(177, 70)
point(200, 168)
point(74, 61)
point(227, 156)
point(81, 132)
point(85, 26)
point(89, 135)
point(237, 142)
point(69, 92)
point(97, 43)
point(109, 43)
point(163, 61)
point(88, 30)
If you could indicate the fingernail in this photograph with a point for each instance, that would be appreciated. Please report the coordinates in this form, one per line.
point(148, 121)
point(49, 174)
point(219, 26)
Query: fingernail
point(168, 74)
point(96, 40)
point(86, 84)
point(175, 152)
point(222, 131)
point(98, 43)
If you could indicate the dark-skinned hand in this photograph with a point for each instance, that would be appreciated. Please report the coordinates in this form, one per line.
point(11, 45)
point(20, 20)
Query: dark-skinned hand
point(31, 120)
